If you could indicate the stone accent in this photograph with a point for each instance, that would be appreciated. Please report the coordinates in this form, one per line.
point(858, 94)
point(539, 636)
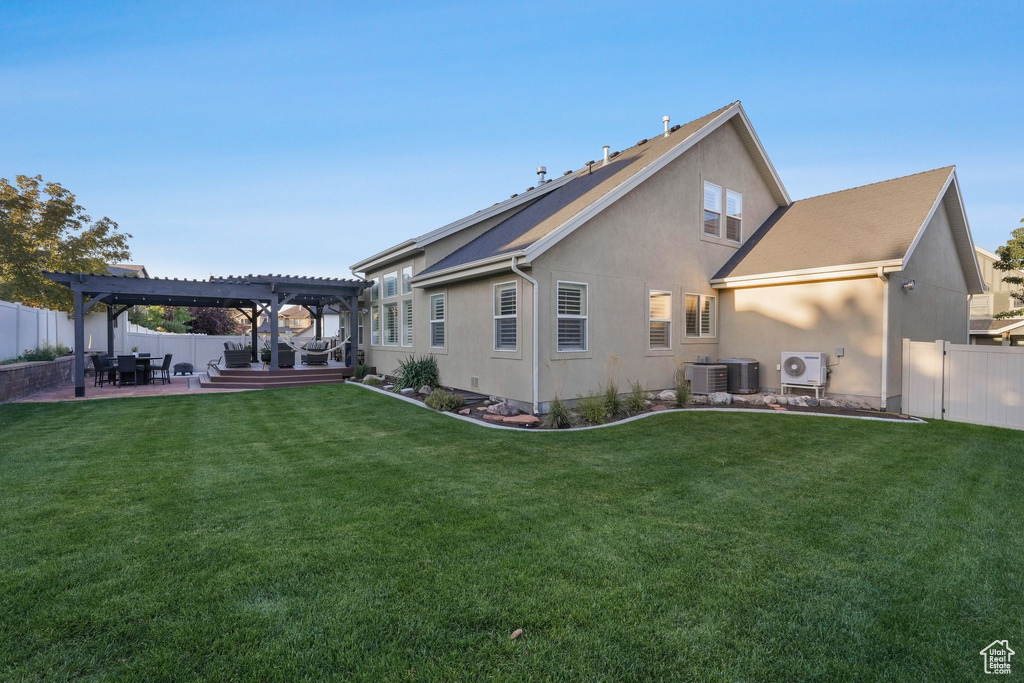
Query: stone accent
point(720, 398)
point(524, 420)
point(659, 407)
point(465, 411)
point(493, 418)
point(408, 391)
point(667, 395)
point(425, 390)
point(699, 399)
point(19, 380)
point(503, 408)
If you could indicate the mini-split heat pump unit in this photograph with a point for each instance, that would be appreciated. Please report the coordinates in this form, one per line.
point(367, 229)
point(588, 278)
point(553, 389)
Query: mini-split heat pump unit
point(805, 369)
point(707, 379)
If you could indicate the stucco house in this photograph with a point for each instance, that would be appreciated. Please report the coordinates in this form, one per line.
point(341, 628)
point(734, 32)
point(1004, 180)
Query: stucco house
point(682, 247)
point(999, 297)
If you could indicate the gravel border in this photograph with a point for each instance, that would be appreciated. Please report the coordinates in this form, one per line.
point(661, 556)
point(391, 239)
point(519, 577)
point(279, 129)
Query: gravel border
point(759, 411)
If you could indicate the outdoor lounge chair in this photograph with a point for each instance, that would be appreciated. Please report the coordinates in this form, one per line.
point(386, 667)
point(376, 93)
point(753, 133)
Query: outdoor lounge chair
point(236, 355)
point(104, 369)
point(163, 371)
point(128, 368)
point(316, 358)
point(285, 356)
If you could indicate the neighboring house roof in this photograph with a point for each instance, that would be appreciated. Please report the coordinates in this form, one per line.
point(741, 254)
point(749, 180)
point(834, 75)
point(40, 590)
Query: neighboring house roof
point(876, 224)
point(993, 326)
point(127, 269)
point(561, 205)
point(294, 312)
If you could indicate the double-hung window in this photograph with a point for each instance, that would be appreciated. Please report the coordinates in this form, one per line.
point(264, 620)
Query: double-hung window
point(375, 289)
point(407, 280)
point(733, 216)
point(505, 316)
point(407, 322)
point(391, 324)
point(390, 285)
point(701, 316)
point(572, 316)
point(659, 312)
point(375, 326)
point(438, 315)
point(712, 209)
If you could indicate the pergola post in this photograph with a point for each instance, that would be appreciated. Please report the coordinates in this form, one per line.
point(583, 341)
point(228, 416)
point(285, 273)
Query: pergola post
point(319, 332)
point(79, 346)
point(254, 341)
point(275, 305)
point(353, 312)
point(110, 330)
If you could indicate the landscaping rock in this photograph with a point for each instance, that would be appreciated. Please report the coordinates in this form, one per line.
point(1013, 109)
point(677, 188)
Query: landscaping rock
point(667, 395)
point(770, 400)
point(659, 407)
point(502, 408)
point(493, 418)
point(798, 401)
point(813, 402)
point(425, 390)
point(408, 391)
point(481, 407)
point(388, 387)
point(720, 398)
point(524, 420)
point(699, 399)
point(465, 411)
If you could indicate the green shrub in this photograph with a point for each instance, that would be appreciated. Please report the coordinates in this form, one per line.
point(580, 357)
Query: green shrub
point(46, 352)
point(441, 400)
point(414, 373)
point(593, 408)
point(636, 400)
point(559, 416)
point(360, 371)
point(682, 391)
point(612, 400)
point(373, 381)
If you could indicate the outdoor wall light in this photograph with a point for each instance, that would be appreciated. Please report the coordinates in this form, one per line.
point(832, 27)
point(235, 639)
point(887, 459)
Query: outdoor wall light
point(908, 285)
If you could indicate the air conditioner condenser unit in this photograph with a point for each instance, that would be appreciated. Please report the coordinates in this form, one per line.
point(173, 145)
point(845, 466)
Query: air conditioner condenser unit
point(707, 379)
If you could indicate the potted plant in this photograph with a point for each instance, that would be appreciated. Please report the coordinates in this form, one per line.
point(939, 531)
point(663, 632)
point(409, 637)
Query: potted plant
point(135, 351)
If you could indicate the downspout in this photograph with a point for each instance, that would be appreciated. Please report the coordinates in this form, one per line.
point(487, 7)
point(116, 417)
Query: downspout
point(536, 335)
point(885, 338)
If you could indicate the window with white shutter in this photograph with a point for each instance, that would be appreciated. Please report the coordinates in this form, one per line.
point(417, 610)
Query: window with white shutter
point(407, 322)
point(390, 285)
point(505, 316)
point(437, 320)
point(733, 216)
point(391, 324)
point(375, 326)
point(708, 326)
point(407, 280)
point(659, 310)
point(571, 316)
point(700, 316)
point(712, 210)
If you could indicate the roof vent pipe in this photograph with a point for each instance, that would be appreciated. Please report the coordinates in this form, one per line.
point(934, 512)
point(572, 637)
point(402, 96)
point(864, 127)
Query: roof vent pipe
point(606, 159)
point(665, 120)
point(541, 170)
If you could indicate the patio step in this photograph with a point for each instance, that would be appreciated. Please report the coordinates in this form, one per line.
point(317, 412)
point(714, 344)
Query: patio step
point(319, 370)
point(266, 383)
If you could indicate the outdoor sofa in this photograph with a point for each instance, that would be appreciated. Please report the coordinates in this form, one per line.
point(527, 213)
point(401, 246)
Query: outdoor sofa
point(236, 355)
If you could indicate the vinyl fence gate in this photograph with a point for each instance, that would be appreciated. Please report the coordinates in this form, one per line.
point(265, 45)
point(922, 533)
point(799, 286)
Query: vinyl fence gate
point(966, 383)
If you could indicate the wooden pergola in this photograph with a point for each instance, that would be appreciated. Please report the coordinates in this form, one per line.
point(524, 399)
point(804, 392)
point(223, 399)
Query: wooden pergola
point(250, 294)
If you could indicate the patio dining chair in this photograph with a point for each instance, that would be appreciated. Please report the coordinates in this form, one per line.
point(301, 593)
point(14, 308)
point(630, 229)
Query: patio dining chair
point(163, 371)
point(127, 367)
point(104, 370)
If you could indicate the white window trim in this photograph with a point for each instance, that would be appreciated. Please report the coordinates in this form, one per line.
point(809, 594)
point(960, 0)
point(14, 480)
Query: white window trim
point(412, 326)
point(497, 317)
point(403, 281)
point(725, 232)
point(703, 208)
point(383, 324)
point(700, 308)
point(443, 321)
point(380, 324)
point(585, 318)
point(659, 320)
point(383, 293)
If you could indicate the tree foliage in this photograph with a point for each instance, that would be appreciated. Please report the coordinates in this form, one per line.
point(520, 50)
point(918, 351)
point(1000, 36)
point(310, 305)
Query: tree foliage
point(208, 320)
point(161, 318)
point(1011, 260)
point(43, 228)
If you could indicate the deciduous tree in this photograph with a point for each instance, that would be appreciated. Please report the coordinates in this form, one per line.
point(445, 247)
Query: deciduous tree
point(1011, 260)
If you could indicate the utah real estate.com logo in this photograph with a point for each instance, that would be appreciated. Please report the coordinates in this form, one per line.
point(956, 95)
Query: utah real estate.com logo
point(997, 657)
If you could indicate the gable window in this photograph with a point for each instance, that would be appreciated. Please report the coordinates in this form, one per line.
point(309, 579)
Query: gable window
point(390, 324)
point(733, 216)
point(407, 280)
point(701, 316)
point(712, 210)
point(375, 326)
point(505, 316)
point(407, 322)
point(375, 289)
point(437, 319)
point(390, 285)
point(659, 311)
point(572, 316)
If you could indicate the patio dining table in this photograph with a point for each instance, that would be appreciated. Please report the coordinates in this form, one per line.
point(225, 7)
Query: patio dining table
point(144, 361)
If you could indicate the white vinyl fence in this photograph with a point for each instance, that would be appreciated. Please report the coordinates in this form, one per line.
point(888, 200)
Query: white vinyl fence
point(23, 328)
point(966, 383)
point(197, 349)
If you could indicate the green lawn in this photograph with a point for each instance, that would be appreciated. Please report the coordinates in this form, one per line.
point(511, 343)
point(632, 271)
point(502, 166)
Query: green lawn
point(329, 532)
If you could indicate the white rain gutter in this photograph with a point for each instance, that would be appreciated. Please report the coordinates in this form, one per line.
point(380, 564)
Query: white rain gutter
point(885, 338)
point(536, 336)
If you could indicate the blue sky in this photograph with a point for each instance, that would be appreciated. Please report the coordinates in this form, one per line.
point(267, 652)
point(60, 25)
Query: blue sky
point(300, 137)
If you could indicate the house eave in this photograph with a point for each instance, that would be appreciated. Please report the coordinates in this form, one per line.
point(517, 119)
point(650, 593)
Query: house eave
point(383, 257)
point(842, 272)
point(467, 271)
